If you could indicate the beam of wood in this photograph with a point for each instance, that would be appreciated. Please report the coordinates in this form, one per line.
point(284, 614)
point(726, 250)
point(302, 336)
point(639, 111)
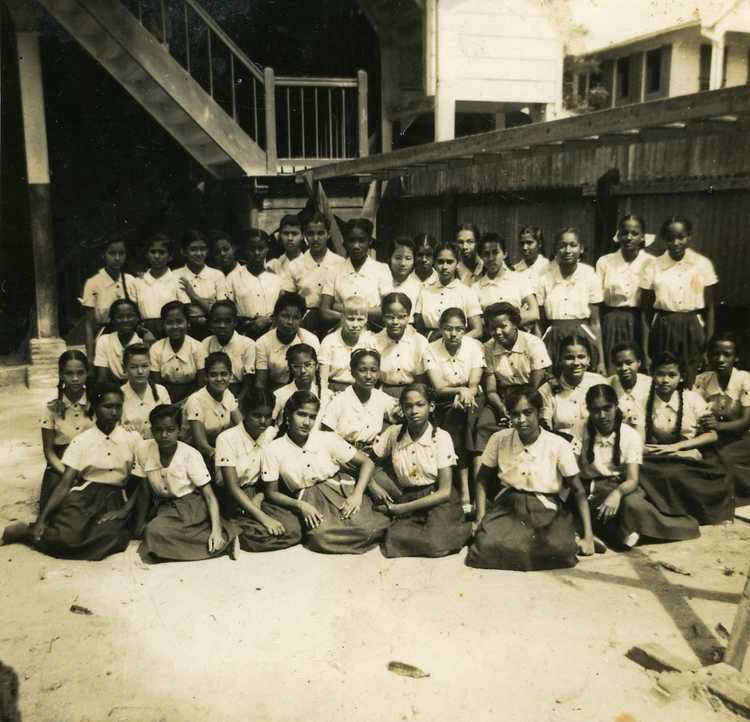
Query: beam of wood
point(736, 654)
point(682, 185)
point(681, 109)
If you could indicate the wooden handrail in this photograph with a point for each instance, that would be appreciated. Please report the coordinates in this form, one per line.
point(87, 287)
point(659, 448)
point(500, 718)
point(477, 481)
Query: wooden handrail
point(307, 82)
point(255, 69)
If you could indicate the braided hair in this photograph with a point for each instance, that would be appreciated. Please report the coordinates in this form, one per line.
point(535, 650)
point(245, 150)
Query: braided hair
point(428, 395)
point(665, 359)
point(296, 401)
point(139, 349)
point(607, 394)
point(72, 355)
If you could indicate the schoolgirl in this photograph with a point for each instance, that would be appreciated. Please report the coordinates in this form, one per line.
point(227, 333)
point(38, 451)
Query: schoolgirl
point(631, 386)
point(185, 523)
point(338, 518)
point(222, 321)
point(400, 347)
point(271, 367)
point(454, 365)
point(86, 515)
point(564, 395)
point(446, 291)
point(620, 273)
point(727, 391)
point(307, 273)
point(293, 243)
point(158, 285)
point(302, 360)
point(570, 293)
point(140, 393)
point(255, 289)
point(610, 460)
point(224, 253)
point(359, 413)
point(66, 416)
point(200, 285)
point(424, 258)
point(499, 283)
point(336, 348)
point(512, 357)
point(263, 527)
point(110, 346)
point(403, 278)
point(105, 287)
point(527, 474)
point(675, 475)
point(414, 483)
point(211, 409)
point(531, 247)
point(360, 275)
point(678, 298)
point(178, 359)
point(471, 267)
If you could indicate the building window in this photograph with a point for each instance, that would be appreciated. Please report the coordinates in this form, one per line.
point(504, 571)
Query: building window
point(653, 71)
point(704, 74)
point(623, 77)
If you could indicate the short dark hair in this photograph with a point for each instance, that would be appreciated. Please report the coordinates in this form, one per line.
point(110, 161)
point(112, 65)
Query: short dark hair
point(166, 411)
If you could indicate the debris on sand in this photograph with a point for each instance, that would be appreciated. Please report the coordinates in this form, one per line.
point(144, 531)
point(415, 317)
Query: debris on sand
point(674, 568)
point(722, 631)
point(407, 670)
point(78, 609)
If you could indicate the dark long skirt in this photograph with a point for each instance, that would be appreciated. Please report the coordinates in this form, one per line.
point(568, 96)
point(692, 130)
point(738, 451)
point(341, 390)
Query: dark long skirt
point(520, 533)
point(488, 422)
point(559, 329)
point(620, 325)
point(694, 487)
point(72, 531)
point(253, 535)
point(681, 334)
point(636, 514)
point(180, 530)
point(179, 390)
point(460, 424)
point(356, 535)
point(735, 456)
point(51, 478)
point(436, 532)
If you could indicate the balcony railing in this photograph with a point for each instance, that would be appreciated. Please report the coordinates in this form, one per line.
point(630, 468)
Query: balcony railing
point(310, 119)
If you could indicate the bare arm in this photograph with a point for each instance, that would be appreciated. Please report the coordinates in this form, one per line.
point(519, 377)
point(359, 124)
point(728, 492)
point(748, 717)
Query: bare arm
point(596, 327)
point(200, 438)
point(48, 446)
point(647, 311)
point(709, 311)
point(441, 496)
point(582, 505)
point(91, 329)
point(366, 468)
point(327, 312)
point(261, 378)
point(216, 538)
point(493, 397)
point(485, 477)
point(475, 327)
point(530, 309)
point(309, 514)
point(536, 377)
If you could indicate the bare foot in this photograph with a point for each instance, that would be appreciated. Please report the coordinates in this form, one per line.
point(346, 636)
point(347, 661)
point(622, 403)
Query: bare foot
point(233, 550)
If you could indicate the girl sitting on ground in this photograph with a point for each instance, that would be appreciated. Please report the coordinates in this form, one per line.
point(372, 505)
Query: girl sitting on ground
point(263, 527)
point(337, 516)
point(527, 474)
point(185, 524)
point(87, 514)
point(610, 467)
point(414, 485)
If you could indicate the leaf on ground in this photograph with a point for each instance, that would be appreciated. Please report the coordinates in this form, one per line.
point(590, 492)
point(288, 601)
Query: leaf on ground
point(674, 568)
point(78, 609)
point(407, 670)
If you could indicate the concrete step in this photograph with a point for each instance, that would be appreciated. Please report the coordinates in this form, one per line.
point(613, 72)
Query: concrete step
point(13, 375)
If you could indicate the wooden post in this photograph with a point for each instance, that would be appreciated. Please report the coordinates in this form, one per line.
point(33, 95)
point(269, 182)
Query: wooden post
point(388, 93)
point(736, 654)
point(445, 115)
point(269, 84)
point(716, 77)
point(364, 138)
point(37, 173)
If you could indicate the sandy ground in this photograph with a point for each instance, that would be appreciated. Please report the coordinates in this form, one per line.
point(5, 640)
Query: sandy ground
point(294, 635)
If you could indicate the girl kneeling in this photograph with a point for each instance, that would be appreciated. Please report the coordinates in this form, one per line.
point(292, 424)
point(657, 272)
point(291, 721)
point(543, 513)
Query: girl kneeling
point(527, 526)
point(338, 518)
point(417, 490)
point(610, 462)
point(86, 516)
point(186, 525)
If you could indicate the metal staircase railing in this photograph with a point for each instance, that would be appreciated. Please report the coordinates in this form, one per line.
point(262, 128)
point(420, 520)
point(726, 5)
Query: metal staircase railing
point(311, 120)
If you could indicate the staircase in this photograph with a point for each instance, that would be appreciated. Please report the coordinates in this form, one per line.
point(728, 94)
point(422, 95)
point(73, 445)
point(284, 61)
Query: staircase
point(233, 117)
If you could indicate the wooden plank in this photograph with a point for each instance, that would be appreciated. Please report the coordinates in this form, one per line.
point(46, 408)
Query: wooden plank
point(736, 654)
point(728, 101)
point(682, 185)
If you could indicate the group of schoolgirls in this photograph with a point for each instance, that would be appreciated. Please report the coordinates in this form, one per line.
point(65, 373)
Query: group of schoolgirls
point(352, 442)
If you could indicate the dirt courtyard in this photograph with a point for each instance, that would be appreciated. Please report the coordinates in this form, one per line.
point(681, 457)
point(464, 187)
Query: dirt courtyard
point(293, 635)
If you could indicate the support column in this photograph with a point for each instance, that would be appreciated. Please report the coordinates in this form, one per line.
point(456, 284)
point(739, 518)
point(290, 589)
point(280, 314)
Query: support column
point(716, 77)
point(388, 93)
point(445, 115)
point(46, 346)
